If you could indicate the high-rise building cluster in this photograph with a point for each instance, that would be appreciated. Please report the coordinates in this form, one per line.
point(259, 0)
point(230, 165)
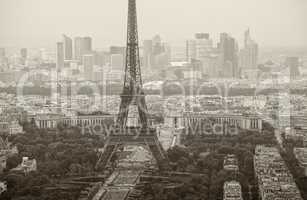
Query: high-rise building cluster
point(156, 54)
point(220, 61)
point(201, 49)
point(16, 60)
point(200, 58)
point(223, 60)
point(82, 46)
point(79, 56)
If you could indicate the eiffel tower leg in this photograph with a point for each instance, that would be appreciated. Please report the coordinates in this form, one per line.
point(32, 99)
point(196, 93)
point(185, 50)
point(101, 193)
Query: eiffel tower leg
point(123, 111)
point(142, 108)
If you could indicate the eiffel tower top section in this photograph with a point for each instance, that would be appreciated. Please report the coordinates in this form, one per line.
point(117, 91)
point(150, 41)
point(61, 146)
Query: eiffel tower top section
point(132, 95)
point(133, 79)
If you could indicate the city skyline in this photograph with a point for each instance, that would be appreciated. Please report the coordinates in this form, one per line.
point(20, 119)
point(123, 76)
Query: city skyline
point(225, 117)
point(39, 23)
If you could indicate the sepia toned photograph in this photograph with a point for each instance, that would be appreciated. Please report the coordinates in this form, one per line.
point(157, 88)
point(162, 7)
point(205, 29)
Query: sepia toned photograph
point(153, 100)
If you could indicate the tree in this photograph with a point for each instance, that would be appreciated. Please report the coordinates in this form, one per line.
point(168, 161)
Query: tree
point(55, 153)
point(176, 153)
point(13, 161)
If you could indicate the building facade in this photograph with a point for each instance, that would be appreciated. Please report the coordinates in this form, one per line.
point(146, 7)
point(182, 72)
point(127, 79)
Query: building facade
point(68, 53)
point(117, 62)
point(249, 53)
point(232, 191)
point(274, 178)
point(88, 64)
point(301, 156)
point(83, 45)
point(293, 64)
point(231, 163)
point(3, 187)
point(201, 120)
point(147, 54)
point(200, 47)
point(52, 121)
point(11, 128)
point(228, 56)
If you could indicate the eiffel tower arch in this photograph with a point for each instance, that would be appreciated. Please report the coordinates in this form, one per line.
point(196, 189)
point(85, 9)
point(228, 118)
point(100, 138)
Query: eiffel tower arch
point(132, 120)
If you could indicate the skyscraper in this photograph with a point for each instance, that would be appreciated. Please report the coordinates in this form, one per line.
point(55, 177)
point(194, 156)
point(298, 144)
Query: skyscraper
point(157, 46)
point(190, 50)
point(293, 64)
point(156, 54)
point(117, 55)
point(249, 54)
point(2, 52)
point(117, 50)
point(147, 53)
point(67, 47)
point(229, 56)
point(78, 48)
point(59, 66)
point(117, 62)
point(24, 53)
point(88, 63)
point(83, 45)
point(200, 47)
point(3, 60)
point(87, 45)
point(202, 36)
point(211, 65)
point(102, 58)
point(60, 56)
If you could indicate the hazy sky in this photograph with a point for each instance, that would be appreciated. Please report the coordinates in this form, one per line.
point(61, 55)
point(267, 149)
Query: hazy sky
point(39, 23)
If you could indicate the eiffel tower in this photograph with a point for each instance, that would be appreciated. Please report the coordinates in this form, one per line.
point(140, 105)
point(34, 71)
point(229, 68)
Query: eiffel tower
point(132, 121)
point(132, 98)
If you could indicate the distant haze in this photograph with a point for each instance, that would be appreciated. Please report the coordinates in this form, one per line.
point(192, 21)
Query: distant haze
point(40, 23)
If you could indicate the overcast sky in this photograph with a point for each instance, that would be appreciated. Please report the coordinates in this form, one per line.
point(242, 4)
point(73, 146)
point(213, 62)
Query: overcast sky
point(39, 23)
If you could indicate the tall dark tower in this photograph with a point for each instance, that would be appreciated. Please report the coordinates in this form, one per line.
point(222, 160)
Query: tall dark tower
point(132, 97)
point(132, 103)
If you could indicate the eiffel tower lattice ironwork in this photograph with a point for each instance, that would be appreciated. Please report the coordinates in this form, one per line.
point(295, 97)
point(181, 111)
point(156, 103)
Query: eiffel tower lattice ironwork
point(132, 95)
